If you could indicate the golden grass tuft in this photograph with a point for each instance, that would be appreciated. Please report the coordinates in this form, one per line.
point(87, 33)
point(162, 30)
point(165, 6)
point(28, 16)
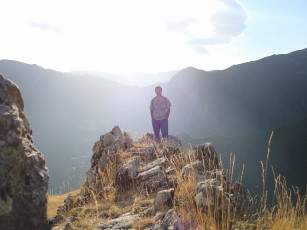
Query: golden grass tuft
point(54, 201)
point(143, 223)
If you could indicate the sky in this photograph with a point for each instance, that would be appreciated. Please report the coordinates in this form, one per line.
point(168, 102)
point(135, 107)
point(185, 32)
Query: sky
point(149, 36)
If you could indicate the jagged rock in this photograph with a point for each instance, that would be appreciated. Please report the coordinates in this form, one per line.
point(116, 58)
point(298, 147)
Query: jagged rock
point(195, 167)
point(206, 154)
point(69, 226)
point(208, 192)
point(147, 138)
point(170, 170)
point(59, 218)
point(127, 173)
point(164, 200)
point(241, 200)
point(159, 216)
point(159, 162)
point(169, 222)
point(70, 202)
point(72, 218)
point(153, 178)
point(24, 176)
point(171, 151)
point(105, 151)
point(61, 210)
point(123, 222)
point(215, 193)
point(149, 153)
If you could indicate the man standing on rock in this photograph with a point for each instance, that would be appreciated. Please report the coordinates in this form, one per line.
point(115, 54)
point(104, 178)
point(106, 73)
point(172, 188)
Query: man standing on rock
point(160, 108)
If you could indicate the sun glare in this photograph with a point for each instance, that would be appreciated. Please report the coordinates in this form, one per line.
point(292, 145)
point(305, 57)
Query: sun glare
point(115, 36)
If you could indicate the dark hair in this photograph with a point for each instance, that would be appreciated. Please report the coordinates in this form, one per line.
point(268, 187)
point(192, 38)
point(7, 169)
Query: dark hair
point(158, 87)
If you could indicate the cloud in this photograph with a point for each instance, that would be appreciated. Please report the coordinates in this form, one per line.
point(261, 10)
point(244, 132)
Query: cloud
point(227, 24)
point(180, 25)
point(231, 22)
point(200, 50)
point(44, 27)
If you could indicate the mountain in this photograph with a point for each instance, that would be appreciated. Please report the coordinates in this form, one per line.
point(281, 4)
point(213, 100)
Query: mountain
point(140, 79)
point(243, 99)
point(67, 112)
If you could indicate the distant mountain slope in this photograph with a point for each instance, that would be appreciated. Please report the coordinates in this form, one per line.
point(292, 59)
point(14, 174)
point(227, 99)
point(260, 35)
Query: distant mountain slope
point(243, 99)
point(67, 112)
point(288, 154)
point(140, 79)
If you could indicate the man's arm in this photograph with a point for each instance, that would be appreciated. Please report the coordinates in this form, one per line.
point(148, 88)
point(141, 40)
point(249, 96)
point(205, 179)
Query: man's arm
point(151, 112)
point(168, 111)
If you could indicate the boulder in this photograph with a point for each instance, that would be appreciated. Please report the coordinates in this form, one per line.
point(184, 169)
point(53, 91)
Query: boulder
point(153, 178)
point(219, 193)
point(159, 162)
point(170, 221)
point(127, 173)
point(164, 200)
point(23, 172)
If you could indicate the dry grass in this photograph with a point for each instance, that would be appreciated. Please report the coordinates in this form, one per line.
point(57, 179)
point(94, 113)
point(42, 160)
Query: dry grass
point(143, 223)
point(287, 213)
point(55, 201)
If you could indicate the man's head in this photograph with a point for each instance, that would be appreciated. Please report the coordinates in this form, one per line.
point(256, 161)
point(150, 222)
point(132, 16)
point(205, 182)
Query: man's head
point(158, 90)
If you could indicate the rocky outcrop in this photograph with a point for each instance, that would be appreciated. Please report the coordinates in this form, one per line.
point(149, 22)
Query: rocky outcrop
point(159, 170)
point(24, 176)
point(170, 220)
point(105, 152)
point(164, 200)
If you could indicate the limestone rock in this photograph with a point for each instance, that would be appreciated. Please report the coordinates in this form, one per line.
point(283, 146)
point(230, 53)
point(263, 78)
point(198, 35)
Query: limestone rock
point(150, 153)
point(104, 151)
point(164, 200)
point(153, 178)
point(208, 192)
point(169, 222)
point(24, 176)
point(217, 192)
point(196, 167)
point(171, 151)
point(159, 162)
point(147, 138)
point(206, 154)
point(126, 175)
point(59, 218)
point(123, 222)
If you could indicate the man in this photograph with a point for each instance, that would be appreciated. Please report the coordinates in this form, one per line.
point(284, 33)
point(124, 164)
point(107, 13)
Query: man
point(160, 110)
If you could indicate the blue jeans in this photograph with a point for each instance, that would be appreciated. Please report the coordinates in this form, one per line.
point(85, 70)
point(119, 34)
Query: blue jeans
point(160, 125)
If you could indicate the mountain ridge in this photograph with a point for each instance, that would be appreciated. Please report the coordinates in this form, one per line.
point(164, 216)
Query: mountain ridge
point(67, 113)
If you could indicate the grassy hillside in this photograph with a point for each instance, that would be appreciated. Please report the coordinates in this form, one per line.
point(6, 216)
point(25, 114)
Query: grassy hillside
point(54, 201)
